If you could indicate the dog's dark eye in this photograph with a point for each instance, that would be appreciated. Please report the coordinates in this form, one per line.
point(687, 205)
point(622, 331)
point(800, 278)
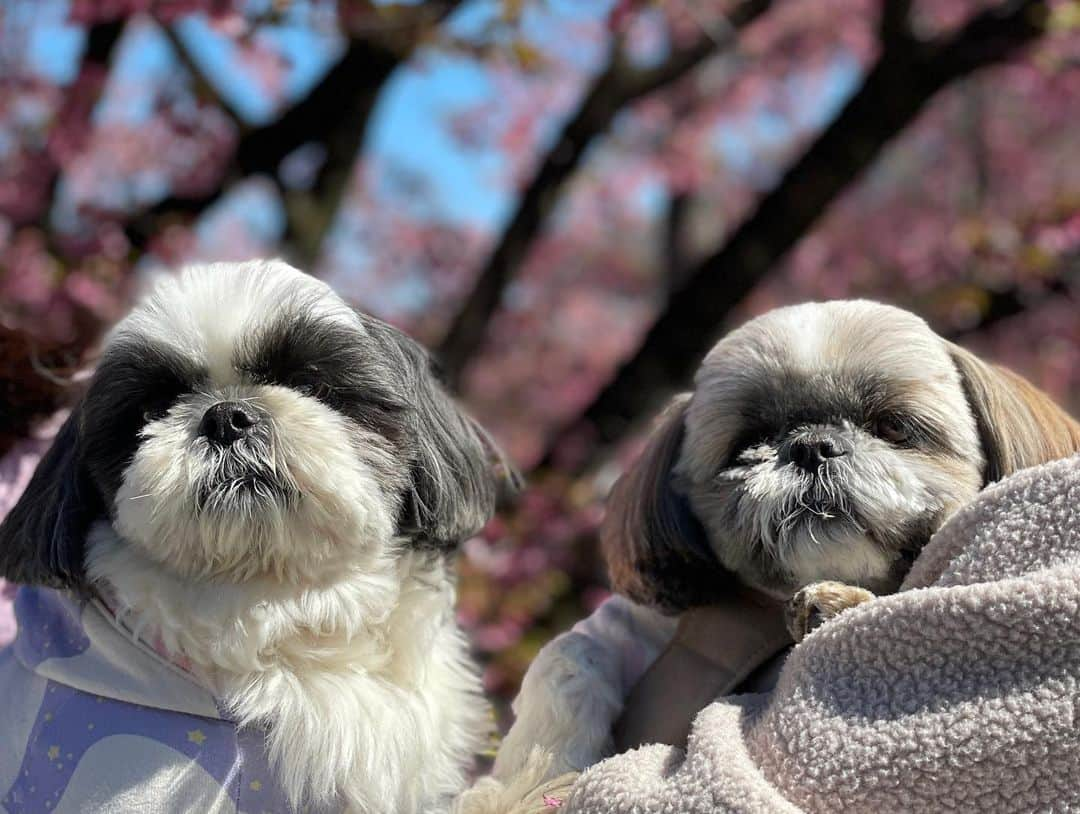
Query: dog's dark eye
point(310, 381)
point(255, 373)
point(155, 408)
point(891, 429)
point(318, 390)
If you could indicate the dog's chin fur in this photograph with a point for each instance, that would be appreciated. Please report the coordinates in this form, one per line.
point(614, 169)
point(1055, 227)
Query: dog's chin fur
point(320, 503)
point(779, 528)
point(369, 672)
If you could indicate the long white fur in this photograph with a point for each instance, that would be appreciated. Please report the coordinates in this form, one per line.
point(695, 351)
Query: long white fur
point(364, 685)
point(309, 619)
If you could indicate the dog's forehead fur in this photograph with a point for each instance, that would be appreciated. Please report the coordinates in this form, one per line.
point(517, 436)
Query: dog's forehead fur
point(812, 361)
point(208, 313)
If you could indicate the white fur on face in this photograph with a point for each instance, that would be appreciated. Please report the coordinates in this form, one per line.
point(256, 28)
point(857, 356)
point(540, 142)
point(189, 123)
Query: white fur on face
point(318, 493)
point(780, 527)
point(832, 341)
point(331, 508)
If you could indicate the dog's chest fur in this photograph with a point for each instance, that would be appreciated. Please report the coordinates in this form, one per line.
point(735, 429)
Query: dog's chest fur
point(364, 686)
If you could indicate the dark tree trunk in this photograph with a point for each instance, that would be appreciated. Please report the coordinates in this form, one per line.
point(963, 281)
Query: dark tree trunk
point(334, 115)
point(609, 93)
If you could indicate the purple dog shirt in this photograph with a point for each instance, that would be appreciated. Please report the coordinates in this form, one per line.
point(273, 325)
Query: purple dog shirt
point(93, 719)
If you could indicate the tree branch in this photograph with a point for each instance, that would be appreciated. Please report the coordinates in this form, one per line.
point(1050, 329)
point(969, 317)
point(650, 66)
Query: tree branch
point(907, 74)
point(335, 114)
point(895, 19)
point(333, 105)
point(204, 88)
point(101, 39)
point(345, 106)
point(609, 93)
point(674, 249)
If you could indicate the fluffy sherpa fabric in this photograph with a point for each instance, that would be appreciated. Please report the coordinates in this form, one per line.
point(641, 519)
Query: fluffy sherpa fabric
point(960, 693)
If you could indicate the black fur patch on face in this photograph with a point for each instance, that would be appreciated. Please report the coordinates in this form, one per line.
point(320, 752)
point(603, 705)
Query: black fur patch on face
point(340, 366)
point(771, 410)
point(136, 381)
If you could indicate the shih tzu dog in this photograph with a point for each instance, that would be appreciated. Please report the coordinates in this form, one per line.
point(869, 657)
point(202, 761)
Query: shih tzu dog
point(822, 446)
point(267, 484)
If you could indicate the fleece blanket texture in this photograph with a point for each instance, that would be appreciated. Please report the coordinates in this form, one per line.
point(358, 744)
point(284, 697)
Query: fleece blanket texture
point(959, 693)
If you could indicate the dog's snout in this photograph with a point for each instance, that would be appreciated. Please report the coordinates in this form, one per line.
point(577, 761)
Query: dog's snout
point(811, 450)
point(228, 421)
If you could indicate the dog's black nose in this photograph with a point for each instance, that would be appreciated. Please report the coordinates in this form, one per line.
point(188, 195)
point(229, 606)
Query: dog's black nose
point(228, 421)
point(810, 451)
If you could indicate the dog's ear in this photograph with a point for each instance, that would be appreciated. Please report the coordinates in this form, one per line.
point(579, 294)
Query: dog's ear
point(459, 473)
point(1019, 425)
point(656, 549)
point(43, 537)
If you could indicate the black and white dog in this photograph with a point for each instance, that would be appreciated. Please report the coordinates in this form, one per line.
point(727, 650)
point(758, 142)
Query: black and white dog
point(270, 482)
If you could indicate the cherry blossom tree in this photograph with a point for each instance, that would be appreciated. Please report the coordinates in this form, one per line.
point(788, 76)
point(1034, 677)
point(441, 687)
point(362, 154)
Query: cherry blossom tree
point(569, 200)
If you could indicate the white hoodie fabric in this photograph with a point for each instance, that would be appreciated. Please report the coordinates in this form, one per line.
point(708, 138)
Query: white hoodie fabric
point(93, 719)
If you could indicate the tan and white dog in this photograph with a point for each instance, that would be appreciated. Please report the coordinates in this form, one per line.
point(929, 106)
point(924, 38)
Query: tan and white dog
point(822, 445)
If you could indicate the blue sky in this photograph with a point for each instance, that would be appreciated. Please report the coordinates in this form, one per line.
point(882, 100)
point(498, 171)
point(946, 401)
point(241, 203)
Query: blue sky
point(406, 129)
point(309, 53)
point(407, 132)
point(54, 44)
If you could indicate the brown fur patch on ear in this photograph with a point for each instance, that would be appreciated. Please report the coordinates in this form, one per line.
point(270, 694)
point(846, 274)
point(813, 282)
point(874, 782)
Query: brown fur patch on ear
point(1019, 425)
point(656, 550)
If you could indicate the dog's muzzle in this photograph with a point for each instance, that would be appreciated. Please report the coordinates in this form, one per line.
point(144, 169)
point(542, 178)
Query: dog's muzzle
point(808, 448)
point(228, 421)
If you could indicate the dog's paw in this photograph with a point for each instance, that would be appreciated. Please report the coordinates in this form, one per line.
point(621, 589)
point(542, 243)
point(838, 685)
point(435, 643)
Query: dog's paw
point(490, 796)
point(819, 602)
point(536, 788)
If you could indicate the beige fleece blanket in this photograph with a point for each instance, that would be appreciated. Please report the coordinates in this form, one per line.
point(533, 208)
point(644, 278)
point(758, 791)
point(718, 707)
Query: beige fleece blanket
point(960, 693)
